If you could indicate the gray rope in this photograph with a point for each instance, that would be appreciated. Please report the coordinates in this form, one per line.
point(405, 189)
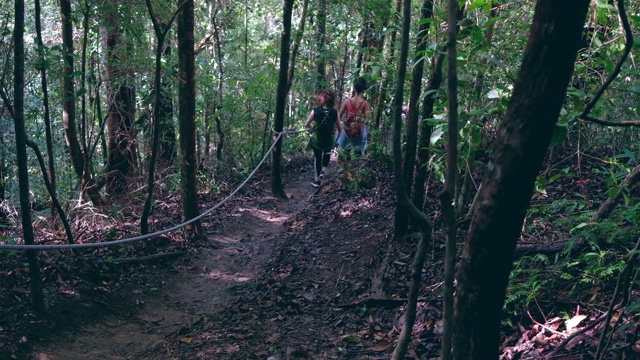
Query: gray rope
point(157, 233)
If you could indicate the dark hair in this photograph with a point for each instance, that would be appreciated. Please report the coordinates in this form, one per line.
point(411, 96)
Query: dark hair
point(327, 98)
point(360, 85)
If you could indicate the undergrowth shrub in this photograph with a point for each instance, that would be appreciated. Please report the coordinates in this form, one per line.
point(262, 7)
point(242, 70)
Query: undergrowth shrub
point(586, 277)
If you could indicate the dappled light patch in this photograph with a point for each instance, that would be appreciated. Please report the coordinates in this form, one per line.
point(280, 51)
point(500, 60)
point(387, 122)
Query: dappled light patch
point(350, 206)
point(220, 275)
point(264, 215)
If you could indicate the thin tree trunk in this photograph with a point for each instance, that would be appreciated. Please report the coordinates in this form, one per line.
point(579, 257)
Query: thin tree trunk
point(78, 158)
point(428, 104)
point(281, 99)
point(161, 33)
point(37, 296)
point(519, 150)
point(321, 34)
point(465, 186)
point(296, 44)
point(389, 59)
point(420, 218)
point(168, 139)
point(54, 199)
point(448, 193)
point(186, 111)
point(220, 139)
point(45, 107)
point(412, 116)
point(218, 104)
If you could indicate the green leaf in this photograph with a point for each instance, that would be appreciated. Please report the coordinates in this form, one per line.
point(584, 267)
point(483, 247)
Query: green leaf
point(437, 134)
point(579, 226)
point(560, 132)
point(603, 4)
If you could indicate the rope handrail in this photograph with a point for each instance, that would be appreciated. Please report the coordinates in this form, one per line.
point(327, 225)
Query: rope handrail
point(157, 233)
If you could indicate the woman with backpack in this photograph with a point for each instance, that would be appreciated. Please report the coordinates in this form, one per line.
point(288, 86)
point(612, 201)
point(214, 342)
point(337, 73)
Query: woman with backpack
point(324, 119)
point(353, 113)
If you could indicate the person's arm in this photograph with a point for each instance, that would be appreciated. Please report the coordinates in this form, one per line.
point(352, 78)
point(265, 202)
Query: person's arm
point(367, 110)
point(307, 124)
point(338, 125)
point(343, 110)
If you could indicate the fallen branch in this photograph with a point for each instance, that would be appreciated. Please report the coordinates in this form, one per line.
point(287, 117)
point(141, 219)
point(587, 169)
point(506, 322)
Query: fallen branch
point(547, 249)
point(629, 182)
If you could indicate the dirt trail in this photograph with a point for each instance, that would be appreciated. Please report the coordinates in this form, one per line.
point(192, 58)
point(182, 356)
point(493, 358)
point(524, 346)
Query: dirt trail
point(180, 293)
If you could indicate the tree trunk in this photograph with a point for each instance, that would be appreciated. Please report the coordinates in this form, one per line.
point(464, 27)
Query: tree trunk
point(388, 59)
point(423, 222)
point(281, 99)
point(447, 195)
point(519, 150)
point(321, 31)
point(120, 108)
point(186, 113)
point(219, 139)
point(160, 30)
point(428, 102)
point(168, 139)
point(45, 106)
point(478, 84)
point(78, 158)
point(412, 116)
point(296, 44)
point(37, 296)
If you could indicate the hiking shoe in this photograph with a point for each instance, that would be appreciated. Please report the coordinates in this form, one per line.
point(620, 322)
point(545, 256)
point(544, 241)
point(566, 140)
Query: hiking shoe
point(316, 183)
point(322, 174)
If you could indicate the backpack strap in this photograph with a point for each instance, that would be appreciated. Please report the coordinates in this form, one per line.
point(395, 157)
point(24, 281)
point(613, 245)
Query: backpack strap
point(351, 109)
point(360, 106)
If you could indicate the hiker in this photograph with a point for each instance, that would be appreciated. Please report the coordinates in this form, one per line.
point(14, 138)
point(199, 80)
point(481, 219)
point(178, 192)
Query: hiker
point(322, 122)
point(353, 113)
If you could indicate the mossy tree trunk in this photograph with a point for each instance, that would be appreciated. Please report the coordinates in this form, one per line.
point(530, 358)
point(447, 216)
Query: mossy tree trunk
point(121, 141)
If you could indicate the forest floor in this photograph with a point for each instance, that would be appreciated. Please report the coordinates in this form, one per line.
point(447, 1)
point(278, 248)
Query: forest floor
point(316, 276)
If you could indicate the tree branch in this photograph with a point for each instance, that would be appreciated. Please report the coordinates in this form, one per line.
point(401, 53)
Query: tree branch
point(628, 36)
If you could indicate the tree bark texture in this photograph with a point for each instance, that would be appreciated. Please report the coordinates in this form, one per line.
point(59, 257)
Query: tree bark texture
point(37, 297)
point(78, 158)
point(414, 98)
point(168, 137)
point(186, 109)
point(281, 98)
point(45, 104)
point(321, 30)
point(121, 108)
point(428, 103)
point(519, 150)
point(68, 101)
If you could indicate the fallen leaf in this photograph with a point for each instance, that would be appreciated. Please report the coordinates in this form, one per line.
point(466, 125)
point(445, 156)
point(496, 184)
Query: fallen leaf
point(383, 346)
point(574, 322)
point(351, 337)
point(273, 338)
point(186, 340)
